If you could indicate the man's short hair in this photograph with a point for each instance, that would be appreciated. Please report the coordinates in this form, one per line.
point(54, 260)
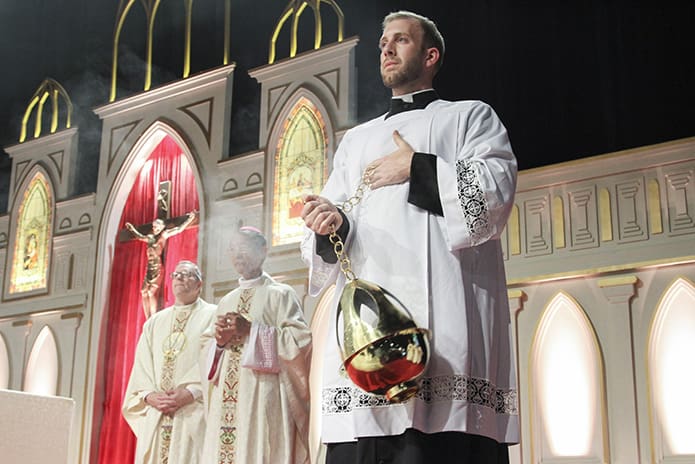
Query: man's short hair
point(196, 270)
point(431, 35)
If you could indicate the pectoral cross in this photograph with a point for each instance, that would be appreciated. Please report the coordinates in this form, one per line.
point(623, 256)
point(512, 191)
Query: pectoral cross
point(155, 234)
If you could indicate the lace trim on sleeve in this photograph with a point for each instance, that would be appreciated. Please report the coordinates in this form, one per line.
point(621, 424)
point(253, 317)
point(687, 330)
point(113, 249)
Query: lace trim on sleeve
point(472, 202)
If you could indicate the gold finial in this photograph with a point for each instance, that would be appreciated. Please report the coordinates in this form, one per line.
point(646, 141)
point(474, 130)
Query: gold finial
point(151, 7)
point(48, 88)
point(227, 31)
point(124, 6)
point(295, 8)
point(188, 5)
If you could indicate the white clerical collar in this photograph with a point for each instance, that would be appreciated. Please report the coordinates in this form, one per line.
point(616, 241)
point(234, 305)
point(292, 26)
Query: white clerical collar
point(179, 307)
point(408, 97)
point(250, 283)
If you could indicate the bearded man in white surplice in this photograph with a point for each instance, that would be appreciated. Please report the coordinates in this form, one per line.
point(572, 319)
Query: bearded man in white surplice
point(256, 359)
point(164, 400)
point(420, 197)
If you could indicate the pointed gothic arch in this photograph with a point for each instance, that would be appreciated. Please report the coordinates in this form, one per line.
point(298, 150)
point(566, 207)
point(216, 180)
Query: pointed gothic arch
point(671, 348)
point(294, 9)
point(566, 385)
point(43, 368)
point(299, 163)
point(49, 88)
point(133, 163)
point(107, 388)
point(33, 232)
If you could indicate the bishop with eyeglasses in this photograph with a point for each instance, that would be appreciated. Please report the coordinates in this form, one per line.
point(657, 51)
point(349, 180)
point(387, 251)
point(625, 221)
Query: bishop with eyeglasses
point(163, 404)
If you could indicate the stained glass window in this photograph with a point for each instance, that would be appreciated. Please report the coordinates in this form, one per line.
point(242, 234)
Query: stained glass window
point(33, 238)
point(300, 168)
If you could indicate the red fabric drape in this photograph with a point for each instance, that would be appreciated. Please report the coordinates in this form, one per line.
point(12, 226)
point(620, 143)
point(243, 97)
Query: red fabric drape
point(125, 313)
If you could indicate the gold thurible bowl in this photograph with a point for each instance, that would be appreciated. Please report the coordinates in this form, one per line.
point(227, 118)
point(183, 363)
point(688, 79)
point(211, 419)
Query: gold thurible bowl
point(387, 357)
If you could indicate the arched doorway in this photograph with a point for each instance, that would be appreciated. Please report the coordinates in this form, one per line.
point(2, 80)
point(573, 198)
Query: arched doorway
point(160, 183)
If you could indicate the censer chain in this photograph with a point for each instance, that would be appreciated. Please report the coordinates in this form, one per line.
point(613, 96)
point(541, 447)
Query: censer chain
point(338, 245)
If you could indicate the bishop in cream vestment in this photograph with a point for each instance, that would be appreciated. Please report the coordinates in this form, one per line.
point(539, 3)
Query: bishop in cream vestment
point(166, 365)
point(257, 391)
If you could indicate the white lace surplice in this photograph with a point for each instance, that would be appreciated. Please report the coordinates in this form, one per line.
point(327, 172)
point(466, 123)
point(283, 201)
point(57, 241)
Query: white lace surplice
point(447, 270)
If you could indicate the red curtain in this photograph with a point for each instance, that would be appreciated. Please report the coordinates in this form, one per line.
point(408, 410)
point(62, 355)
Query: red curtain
point(125, 313)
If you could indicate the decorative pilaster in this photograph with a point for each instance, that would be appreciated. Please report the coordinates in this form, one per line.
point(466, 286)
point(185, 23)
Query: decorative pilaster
point(620, 369)
point(74, 319)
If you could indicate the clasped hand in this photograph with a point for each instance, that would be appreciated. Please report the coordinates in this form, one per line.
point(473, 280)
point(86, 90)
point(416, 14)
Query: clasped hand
point(170, 401)
point(232, 328)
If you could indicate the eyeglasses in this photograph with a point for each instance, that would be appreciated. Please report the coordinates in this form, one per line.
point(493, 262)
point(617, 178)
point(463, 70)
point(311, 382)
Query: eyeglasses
point(182, 275)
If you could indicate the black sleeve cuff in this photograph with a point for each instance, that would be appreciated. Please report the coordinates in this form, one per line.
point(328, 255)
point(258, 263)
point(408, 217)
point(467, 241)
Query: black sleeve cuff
point(324, 247)
point(424, 190)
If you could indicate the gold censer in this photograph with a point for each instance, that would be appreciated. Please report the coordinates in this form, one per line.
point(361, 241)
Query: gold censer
point(388, 356)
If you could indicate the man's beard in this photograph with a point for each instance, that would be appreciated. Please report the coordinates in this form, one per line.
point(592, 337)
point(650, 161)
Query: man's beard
point(410, 72)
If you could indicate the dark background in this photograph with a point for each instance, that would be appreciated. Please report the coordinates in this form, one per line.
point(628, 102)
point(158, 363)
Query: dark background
point(569, 79)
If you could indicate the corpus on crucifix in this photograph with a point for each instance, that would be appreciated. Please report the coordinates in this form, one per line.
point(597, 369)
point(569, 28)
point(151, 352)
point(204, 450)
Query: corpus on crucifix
point(155, 235)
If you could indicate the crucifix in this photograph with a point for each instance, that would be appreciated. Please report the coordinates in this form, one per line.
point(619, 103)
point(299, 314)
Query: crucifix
point(155, 234)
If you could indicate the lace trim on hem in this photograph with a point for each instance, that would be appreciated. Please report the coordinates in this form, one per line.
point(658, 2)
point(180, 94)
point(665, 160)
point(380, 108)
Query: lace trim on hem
point(481, 392)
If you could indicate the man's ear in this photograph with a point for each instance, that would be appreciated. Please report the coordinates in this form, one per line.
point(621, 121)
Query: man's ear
point(431, 57)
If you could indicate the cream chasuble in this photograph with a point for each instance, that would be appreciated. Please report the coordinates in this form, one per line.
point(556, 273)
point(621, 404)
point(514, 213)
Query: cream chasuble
point(166, 357)
point(258, 394)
